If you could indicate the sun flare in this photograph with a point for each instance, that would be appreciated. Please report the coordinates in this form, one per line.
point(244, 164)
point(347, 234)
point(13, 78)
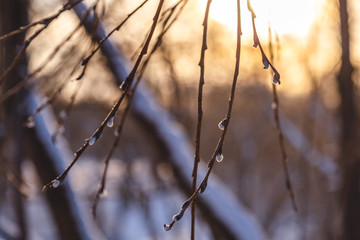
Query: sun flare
point(284, 16)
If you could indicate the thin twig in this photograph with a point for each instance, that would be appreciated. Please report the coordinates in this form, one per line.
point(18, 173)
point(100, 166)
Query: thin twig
point(14, 176)
point(265, 60)
point(117, 133)
point(26, 43)
point(51, 56)
point(280, 134)
point(125, 87)
point(224, 124)
point(44, 21)
point(130, 95)
point(86, 60)
point(66, 112)
point(200, 114)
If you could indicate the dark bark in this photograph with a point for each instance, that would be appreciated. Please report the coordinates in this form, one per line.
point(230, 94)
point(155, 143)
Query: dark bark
point(13, 14)
point(350, 157)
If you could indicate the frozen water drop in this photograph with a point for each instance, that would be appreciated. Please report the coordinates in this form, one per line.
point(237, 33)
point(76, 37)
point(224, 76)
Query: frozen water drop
point(275, 79)
point(273, 106)
point(223, 123)
point(185, 204)
point(84, 61)
point(203, 186)
point(219, 157)
point(266, 64)
point(178, 216)
point(116, 133)
point(103, 193)
point(55, 184)
point(30, 123)
point(167, 227)
point(92, 140)
point(62, 114)
point(110, 123)
point(61, 129)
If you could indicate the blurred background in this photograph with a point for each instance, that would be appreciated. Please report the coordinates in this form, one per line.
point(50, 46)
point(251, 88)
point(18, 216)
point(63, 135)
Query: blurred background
point(315, 46)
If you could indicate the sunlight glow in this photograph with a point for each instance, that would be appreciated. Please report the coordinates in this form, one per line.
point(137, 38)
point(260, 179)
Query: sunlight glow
point(284, 16)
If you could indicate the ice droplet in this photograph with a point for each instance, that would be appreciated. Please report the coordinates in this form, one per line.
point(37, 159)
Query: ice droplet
point(61, 129)
point(167, 227)
point(185, 204)
point(62, 114)
point(219, 157)
point(110, 123)
point(223, 123)
point(104, 193)
point(55, 184)
point(116, 133)
point(30, 123)
point(275, 81)
point(266, 64)
point(178, 216)
point(84, 62)
point(273, 106)
point(92, 140)
point(203, 186)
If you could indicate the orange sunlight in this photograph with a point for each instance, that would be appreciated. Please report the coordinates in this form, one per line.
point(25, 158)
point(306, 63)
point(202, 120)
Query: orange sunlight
point(284, 16)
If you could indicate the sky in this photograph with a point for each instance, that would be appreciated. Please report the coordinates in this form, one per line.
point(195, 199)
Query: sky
point(285, 16)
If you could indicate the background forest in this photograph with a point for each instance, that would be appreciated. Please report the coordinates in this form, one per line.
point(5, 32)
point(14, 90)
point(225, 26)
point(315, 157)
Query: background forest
point(103, 112)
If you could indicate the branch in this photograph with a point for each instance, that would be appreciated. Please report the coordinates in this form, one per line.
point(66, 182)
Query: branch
point(265, 60)
point(51, 56)
point(125, 87)
point(220, 203)
point(48, 159)
point(276, 79)
point(284, 157)
point(26, 43)
point(198, 125)
point(44, 21)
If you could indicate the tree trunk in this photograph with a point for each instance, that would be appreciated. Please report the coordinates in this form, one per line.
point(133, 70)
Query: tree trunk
point(350, 157)
point(13, 14)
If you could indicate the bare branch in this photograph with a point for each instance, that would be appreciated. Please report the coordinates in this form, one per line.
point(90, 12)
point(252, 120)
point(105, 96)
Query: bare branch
point(125, 86)
point(46, 22)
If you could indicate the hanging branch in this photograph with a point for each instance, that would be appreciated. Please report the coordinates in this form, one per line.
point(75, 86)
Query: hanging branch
point(173, 139)
point(51, 56)
point(86, 60)
point(223, 125)
point(275, 107)
point(265, 60)
point(125, 86)
point(200, 114)
point(130, 95)
point(13, 176)
point(46, 22)
point(66, 112)
point(117, 133)
point(58, 90)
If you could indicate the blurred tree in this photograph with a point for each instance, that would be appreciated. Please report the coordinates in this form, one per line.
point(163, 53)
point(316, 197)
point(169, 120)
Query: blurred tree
point(350, 151)
point(26, 142)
